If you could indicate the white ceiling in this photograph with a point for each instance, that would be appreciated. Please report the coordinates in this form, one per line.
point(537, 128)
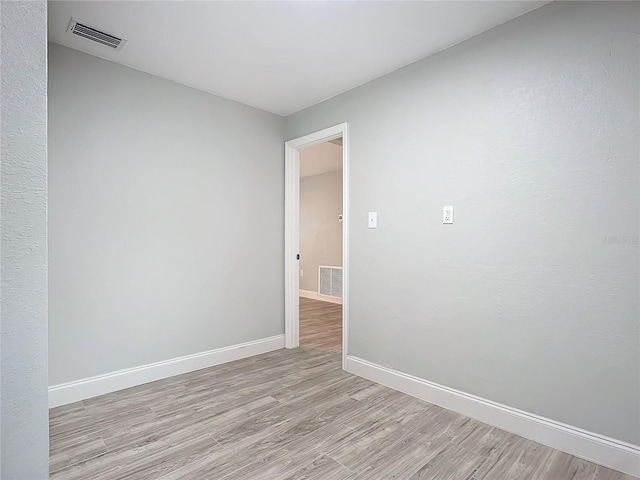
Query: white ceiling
point(278, 56)
point(320, 158)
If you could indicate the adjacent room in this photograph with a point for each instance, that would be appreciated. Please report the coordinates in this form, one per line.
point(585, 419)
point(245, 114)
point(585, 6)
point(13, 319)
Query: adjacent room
point(321, 240)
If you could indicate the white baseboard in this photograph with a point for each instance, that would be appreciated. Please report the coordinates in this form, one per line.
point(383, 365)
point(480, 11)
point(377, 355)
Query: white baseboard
point(322, 298)
point(75, 391)
point(596, 448)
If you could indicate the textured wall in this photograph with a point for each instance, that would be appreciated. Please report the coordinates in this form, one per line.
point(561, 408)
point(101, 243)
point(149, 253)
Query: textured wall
point(320, 230)
point(531, 298)
point(24, 433)
point(166, 219)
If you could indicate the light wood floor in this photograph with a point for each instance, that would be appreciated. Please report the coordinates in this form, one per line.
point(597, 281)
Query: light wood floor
point(287, 415)
point(320, 325)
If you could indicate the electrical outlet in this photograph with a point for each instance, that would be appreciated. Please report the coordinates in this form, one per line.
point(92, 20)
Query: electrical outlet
point(302, 273)
point(447, 214)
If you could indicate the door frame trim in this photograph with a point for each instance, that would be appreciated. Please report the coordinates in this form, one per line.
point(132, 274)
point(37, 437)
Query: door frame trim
point(292, 232)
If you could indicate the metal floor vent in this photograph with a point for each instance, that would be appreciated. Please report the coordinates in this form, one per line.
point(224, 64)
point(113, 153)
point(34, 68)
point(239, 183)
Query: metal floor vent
point(83, 30)
point(330, 281)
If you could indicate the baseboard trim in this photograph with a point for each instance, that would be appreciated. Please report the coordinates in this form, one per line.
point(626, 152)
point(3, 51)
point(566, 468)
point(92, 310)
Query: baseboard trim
point(596, 448)
point(65, 393)
point(322, 298)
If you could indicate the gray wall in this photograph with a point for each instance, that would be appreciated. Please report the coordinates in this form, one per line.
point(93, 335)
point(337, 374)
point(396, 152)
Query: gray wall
point(166, 219)
point(530, 298)
point(320, 230)
point(24, 431)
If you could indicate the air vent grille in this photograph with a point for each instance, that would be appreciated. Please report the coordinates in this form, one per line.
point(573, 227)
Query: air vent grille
point(330, 281)
point(81, 29)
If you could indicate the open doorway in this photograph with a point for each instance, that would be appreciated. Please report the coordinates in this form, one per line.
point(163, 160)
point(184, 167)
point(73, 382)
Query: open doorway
point(336, 136)
point(320, 240)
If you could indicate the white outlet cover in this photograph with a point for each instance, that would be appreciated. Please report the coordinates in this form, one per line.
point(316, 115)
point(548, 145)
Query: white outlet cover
point(447, 214)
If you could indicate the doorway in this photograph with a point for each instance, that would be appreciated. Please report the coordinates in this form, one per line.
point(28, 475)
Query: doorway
point(292, 234)
point(320, 240)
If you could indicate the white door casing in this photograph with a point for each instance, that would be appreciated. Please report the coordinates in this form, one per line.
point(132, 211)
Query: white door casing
point(292, 232)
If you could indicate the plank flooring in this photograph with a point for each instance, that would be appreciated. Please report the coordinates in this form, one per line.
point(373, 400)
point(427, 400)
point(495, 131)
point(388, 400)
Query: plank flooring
point(320, 325)
point(288, 415)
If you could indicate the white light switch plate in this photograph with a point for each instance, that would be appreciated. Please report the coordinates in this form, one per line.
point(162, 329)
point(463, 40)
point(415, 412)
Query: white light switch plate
point(373, 220)
point(447, 214)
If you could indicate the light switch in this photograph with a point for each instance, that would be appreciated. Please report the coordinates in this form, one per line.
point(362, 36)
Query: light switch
point(447, 214)
point(373, 219)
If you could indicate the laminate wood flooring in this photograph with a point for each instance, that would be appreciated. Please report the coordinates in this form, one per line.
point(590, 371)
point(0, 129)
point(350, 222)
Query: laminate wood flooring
point(288, 415)
point(320, 325)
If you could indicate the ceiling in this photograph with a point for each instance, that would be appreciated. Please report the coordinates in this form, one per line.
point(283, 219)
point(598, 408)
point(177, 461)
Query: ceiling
point(320, 158)
point(277, 56)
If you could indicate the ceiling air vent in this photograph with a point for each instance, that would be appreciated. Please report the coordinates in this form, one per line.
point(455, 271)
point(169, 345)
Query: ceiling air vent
point(81, 29)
